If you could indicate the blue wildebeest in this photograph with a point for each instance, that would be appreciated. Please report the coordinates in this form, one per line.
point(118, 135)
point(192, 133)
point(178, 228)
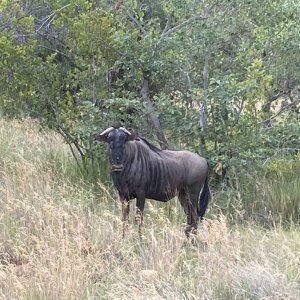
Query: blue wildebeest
point(140, 170)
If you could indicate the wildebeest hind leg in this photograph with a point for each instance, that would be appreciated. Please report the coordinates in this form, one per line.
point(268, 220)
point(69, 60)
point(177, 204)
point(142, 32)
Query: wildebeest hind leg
point(189, 203)
point(140, 204)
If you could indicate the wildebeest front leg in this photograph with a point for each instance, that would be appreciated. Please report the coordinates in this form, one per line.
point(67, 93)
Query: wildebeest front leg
point(125, 213)
point(140, 204)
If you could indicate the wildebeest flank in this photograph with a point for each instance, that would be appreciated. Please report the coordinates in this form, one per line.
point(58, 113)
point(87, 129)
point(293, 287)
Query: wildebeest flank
point(140, 170)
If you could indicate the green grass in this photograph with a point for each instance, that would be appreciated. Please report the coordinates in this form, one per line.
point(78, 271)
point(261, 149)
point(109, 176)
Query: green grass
point(60, 237)
point(268, 198)
point(281, 197)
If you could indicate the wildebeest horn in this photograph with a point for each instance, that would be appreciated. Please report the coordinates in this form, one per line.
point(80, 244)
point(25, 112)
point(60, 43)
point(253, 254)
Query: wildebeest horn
point(125, 130)
point(106, 131)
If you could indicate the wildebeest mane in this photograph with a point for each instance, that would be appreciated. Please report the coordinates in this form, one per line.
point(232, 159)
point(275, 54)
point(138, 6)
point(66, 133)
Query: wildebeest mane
point(151, 146)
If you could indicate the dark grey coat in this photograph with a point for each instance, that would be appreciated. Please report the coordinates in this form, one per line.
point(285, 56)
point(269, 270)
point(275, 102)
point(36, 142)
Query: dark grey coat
point(160, 174)
point(140, 170)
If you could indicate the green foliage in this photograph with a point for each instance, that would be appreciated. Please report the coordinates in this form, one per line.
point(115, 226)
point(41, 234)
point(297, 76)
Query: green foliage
point(78, 67)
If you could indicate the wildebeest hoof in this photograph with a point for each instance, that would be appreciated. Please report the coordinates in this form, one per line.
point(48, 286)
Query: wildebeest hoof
point(190, 230)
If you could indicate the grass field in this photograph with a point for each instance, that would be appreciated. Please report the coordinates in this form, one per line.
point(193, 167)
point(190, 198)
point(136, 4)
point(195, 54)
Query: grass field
point(60, 238)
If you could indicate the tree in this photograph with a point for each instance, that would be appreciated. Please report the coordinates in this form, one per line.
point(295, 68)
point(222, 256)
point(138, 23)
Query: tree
point(198, 72)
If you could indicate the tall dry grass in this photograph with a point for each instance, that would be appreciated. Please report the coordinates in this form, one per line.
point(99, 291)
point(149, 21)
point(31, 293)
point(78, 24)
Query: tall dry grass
point(59, 239)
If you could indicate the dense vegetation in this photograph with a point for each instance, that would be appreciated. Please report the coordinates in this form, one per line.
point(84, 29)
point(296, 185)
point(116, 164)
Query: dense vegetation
point(217, 77)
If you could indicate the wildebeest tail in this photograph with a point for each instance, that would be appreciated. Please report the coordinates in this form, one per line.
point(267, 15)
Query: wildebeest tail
point(204, 199)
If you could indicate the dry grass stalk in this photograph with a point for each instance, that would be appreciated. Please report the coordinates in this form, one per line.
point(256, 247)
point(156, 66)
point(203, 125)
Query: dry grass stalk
point(54, 244)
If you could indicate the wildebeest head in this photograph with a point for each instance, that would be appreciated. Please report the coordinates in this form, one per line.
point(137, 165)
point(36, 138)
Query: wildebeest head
point(116, 138)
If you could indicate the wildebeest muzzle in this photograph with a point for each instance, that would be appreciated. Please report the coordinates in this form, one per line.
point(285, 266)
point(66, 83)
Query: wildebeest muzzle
point(117, 168)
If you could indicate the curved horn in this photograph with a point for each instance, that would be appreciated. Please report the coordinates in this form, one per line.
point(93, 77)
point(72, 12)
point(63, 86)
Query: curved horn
point(106, 131)
point(125, 130)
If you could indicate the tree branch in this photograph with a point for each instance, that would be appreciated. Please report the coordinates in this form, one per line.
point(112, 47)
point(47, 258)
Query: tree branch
point(145, 95)
point(235, 122)
point(62, 54)
point(205, 72)
point(203, 106)
point(67, 137)
point(280, 111)
point(49, 19)
point(167, 27)
point(133, 19)
point(168, 31)
point(185, 23)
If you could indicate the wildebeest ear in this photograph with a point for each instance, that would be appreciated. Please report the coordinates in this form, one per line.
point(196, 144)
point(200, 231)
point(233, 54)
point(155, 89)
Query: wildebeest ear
point(103, 135)
point(130, 136)
point(100, 138)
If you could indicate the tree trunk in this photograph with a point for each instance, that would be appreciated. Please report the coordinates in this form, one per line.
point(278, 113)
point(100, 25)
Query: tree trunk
point(118, 4)
point(203, 108)
point(145, 95)
point(266, 108)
